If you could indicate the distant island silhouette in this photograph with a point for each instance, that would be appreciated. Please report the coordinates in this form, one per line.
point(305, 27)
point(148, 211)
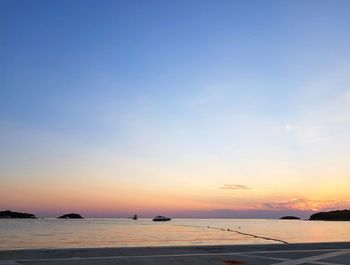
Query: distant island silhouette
point(289, 217)
point(338, 215)
point(70, 216)
point(9, 214)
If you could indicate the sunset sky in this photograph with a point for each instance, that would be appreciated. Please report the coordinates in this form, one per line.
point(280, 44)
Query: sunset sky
point(186, 108)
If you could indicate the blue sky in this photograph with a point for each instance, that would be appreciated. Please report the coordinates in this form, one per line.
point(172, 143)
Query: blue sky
point(206, 92)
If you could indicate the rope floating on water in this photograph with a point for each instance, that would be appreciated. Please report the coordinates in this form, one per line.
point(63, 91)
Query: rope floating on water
point(238, 232)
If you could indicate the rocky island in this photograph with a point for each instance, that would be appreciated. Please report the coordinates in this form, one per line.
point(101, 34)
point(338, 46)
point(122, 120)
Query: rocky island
point(11, 215)
point(71, 216)
point(290, 218)
point(339, 215)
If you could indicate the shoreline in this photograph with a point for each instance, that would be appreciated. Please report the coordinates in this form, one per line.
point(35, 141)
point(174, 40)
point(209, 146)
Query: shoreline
point(213, 254)
point(264, 254)
point(320, 244)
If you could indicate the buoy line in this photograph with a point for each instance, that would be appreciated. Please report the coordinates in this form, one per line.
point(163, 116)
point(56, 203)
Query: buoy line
point(235, 231)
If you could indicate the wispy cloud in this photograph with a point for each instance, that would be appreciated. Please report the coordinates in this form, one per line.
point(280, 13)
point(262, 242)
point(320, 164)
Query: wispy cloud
point(234, 187)
point(306, 204)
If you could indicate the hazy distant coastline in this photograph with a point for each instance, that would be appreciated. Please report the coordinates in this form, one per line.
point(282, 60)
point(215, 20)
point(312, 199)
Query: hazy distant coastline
point(18, 215)
point(11, 215)
point(337, 215)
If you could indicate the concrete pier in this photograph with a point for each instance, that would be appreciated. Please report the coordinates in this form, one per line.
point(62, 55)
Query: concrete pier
point(278, 254)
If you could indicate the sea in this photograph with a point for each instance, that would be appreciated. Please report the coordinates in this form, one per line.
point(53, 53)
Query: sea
point(117, 232)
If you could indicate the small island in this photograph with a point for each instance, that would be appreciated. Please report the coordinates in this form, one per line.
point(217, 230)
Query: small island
point(71, 216)
point(12, 215)
point(339, 215)
point(290, 218)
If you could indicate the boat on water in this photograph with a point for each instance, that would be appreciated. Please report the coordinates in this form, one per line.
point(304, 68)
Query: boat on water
point(135, 217)
point(161, 218)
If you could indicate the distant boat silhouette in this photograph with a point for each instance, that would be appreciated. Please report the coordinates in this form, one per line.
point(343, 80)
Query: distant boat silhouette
point(135, 217)
point(161, 218)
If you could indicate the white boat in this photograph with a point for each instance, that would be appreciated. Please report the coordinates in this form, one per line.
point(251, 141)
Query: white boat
point(161, 218)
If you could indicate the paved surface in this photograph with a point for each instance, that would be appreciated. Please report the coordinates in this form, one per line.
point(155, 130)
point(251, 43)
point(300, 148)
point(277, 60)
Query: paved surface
point(277, 254)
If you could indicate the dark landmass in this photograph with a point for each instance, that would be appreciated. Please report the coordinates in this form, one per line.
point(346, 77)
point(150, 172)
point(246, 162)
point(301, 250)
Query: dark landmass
point(10, 214)
point(339, 215)
point(71, 216)
point(290, 218)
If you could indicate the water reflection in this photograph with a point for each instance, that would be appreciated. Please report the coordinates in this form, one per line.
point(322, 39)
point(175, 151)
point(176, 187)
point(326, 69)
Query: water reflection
point(53, 233)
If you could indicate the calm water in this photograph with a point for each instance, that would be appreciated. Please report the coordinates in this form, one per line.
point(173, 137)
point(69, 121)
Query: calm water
point(54, 233)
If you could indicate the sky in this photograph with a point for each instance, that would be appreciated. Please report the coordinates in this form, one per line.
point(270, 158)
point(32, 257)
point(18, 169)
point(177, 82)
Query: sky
point(184, 108)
